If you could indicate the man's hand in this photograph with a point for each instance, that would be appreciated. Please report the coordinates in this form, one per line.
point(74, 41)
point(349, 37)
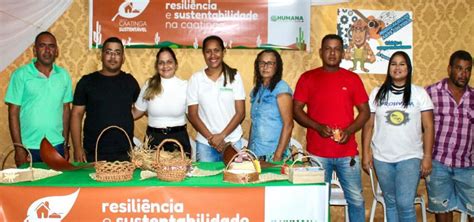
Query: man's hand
point(344, 136)
point(21, 156)
point(79, 155)
point(324, 131)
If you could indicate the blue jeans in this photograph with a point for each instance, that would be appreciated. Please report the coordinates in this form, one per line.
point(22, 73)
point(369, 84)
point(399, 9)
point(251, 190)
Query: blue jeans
point(35, 153)
point(206, 153)
point(349, 177)
point(450, 188)
point(399, 182)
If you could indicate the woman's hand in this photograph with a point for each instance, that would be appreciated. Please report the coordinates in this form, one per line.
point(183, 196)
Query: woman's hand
point(426, 166)
point(367, 163)
point(217, 141)
point(277, 157)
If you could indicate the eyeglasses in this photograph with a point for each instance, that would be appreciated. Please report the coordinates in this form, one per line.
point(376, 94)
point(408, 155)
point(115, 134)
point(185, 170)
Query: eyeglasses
point(270, 64)
point(112, 53)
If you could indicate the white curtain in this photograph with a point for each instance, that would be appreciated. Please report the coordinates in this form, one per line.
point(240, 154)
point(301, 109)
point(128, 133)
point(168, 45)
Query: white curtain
point(21, 21)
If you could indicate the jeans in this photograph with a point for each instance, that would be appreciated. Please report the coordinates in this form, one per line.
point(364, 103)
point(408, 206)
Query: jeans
point(35, 153)
point(349, 177)
point(206, 153)
point(269, 157)
point(399, 182)
point(450, 188)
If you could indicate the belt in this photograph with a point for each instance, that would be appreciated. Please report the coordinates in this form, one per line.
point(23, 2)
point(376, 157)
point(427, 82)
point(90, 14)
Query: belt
point(173, 129)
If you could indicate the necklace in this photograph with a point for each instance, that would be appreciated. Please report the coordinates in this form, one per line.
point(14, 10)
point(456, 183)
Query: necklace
point(397, 89)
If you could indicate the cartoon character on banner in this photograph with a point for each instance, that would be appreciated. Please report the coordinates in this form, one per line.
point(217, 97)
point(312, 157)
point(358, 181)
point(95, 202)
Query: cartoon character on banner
point(359, 50)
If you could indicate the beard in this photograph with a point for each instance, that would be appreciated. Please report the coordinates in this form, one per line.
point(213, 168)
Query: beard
point(456, 82)
point(112, 66)
point(46, 60)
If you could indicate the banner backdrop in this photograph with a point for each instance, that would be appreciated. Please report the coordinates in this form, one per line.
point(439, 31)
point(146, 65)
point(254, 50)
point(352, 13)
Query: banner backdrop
point(185, 23)
point(162, 204)
point(371, 37)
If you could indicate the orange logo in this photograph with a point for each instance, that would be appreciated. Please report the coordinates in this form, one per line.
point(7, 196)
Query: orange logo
point(52, 208)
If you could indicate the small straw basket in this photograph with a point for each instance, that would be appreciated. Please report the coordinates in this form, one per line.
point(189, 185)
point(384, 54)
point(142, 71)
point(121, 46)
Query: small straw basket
point(113, 171)
point(171, 170)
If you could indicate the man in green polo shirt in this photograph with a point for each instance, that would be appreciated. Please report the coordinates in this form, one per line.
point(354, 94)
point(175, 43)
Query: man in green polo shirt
point(38, 99)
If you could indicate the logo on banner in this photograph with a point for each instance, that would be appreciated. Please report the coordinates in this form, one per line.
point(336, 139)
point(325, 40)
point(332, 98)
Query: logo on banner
point(53, 208)
point(287, 18)
point(131, 8)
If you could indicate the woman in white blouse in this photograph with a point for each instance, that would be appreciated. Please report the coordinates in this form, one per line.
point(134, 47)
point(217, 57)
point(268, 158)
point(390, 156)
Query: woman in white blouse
point(163, 99)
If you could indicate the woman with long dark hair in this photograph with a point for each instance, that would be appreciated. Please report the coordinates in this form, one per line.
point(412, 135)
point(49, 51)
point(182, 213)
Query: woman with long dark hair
point(163, 98)
point(216, 103)
point(272, 108)
point(398, 138)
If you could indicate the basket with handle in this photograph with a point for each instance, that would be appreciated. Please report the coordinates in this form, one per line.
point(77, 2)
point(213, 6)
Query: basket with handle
point(29, 175)
point(113, 171)
point(306, 174)
point(172, 170)
point(242, 175)
point(285, 167)
point(14, 175)
point(5, 159)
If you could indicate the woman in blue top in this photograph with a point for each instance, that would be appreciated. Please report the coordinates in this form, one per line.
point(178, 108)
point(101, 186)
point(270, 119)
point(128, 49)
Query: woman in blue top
point(271, 112)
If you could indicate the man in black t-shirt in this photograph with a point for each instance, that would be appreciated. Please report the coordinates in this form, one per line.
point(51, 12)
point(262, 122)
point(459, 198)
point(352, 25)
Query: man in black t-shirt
point(106, 97)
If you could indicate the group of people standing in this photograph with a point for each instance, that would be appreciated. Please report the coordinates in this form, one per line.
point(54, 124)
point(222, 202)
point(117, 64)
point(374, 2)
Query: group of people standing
point(407, 132)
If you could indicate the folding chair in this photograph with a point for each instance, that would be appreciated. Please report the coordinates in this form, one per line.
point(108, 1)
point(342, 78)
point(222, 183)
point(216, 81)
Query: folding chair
point(378, 197)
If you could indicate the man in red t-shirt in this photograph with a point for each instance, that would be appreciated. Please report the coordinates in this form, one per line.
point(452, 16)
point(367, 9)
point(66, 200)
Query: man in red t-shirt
point(330, 94)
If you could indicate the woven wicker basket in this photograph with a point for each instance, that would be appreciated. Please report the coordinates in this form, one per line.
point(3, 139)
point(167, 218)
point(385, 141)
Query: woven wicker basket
point(241, 176)
point(172, 170)
point(113, 171)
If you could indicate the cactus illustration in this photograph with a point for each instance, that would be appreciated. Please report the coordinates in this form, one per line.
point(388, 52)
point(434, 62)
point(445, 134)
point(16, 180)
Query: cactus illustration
point(97, 36)
point(157, 38)
point(300, 44)
point(259, 41)
point(127, 42)
point(195, 43)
